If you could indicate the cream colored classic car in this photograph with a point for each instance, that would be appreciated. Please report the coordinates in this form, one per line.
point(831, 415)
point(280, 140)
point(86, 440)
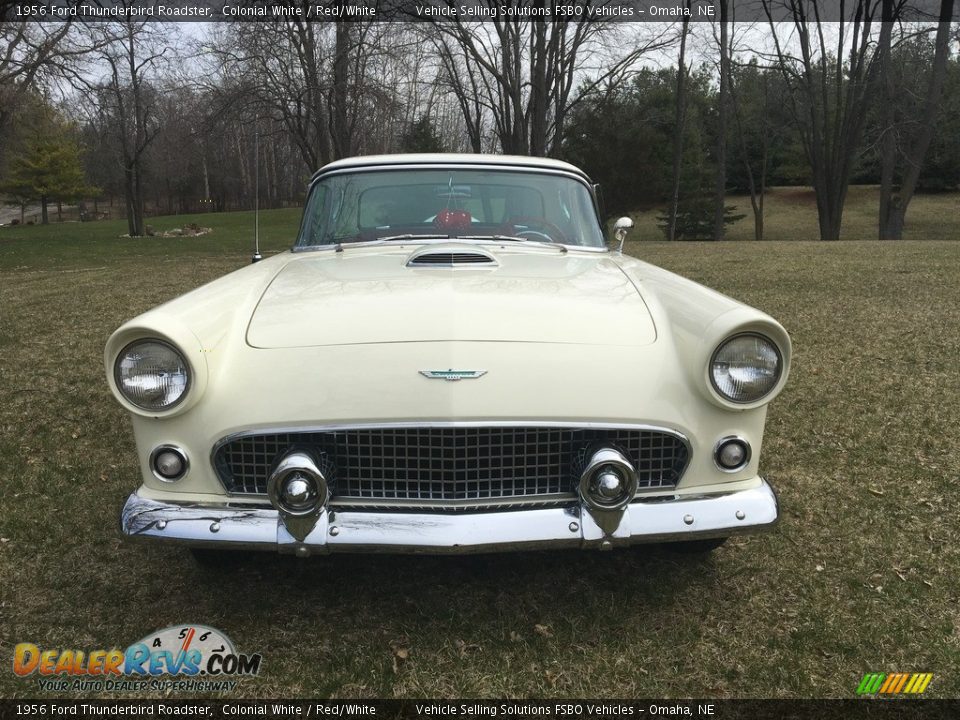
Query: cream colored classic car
point(449, 359)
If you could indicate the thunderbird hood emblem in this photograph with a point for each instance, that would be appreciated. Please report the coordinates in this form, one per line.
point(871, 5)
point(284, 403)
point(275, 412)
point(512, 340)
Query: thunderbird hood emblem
point(452, 374)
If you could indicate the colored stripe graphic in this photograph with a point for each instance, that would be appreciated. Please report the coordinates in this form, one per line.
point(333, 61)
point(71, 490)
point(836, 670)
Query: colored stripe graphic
point(912, 683)
point(871, 683)
point(902, 681)
point(894, 683)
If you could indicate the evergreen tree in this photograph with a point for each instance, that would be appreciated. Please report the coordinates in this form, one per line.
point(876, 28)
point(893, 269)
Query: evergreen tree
point(48, 166)
point(421, 137)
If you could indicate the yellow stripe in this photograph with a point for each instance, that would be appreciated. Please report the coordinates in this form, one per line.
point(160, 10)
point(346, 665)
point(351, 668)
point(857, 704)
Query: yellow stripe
point(926, 681)
point(887, 682)
point(913, 681)
point(903, 679)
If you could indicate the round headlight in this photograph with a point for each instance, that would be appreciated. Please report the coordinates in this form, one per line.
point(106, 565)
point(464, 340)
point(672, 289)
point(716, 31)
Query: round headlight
point(152, 374)
point(745, 368)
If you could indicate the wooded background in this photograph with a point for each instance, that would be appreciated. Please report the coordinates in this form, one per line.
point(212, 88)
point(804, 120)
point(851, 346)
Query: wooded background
point(129, 119)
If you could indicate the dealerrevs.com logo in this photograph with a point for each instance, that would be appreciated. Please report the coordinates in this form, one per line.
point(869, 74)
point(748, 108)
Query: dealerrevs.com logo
point(184, 658)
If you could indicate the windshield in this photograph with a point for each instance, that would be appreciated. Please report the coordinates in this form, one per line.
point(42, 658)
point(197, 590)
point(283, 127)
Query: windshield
point(450, 203)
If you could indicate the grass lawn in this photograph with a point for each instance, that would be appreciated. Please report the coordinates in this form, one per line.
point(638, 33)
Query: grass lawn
point(790, 213)
point(863, 446)
point(85, 245)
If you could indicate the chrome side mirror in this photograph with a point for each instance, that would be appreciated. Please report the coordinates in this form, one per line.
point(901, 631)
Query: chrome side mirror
point(620, 230)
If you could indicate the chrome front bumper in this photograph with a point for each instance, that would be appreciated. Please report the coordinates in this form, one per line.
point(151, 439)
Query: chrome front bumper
point(668, 519)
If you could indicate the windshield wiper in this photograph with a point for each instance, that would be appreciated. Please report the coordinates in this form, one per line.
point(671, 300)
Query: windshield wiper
point(514, 238)
point(410, 236)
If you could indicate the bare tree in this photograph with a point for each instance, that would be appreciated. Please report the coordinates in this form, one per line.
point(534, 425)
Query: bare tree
point(680, 111)
point(756, 178)
point(34, 55)
point(907, 143)
point(526, 76)
point(465, 81)
point(749, 106)
point(126, 101)
point(321, 80)
point(828, 89)
point(720, 195)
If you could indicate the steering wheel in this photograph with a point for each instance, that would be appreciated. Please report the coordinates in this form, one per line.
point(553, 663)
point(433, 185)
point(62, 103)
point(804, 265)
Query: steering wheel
point(553, 234)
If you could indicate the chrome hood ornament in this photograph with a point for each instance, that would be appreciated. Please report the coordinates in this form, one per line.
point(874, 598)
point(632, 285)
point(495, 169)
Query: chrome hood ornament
point(453, 374)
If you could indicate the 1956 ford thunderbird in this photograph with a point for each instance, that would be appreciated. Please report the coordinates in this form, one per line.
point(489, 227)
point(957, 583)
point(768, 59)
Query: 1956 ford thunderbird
point(449, 359)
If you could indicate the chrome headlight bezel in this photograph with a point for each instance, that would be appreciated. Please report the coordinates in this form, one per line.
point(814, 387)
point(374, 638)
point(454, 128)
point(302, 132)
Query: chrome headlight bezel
point(189, 371)
point(769, 392)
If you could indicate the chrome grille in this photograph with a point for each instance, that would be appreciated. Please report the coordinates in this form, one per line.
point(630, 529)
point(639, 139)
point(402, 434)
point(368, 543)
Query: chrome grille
point(448, 467)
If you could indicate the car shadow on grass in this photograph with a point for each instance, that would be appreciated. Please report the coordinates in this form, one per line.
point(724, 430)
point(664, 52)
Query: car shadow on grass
point(478, 590)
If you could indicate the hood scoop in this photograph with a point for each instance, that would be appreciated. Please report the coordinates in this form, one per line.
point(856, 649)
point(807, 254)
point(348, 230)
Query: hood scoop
point(448, 259)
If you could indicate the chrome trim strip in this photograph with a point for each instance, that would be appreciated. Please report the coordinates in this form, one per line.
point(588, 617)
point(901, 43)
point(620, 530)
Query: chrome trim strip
point(580, 177)
point(505, 504)
point(410, 424)
point(275, 430)
point(704, 516)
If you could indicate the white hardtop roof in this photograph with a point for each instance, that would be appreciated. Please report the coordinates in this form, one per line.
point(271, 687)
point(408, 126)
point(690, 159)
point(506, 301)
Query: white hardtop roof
point(366, 161)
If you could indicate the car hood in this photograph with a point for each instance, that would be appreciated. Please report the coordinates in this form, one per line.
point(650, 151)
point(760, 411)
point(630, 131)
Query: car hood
point(371, 295)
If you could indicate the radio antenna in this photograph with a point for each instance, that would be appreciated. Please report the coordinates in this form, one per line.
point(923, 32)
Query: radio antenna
point(257, 257)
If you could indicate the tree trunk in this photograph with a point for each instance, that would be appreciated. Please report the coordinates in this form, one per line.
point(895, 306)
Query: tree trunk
point(888, 141)
point(339, 122)
point(678, 125)
point(43, 210)
point(830, 214)
point(758, 214)
point(891, 227)
point(893, 207)
point(138, 203)
point(206, 182)
point(829, 93)
point(721, 186)
point(537, 106)
point(128, 194)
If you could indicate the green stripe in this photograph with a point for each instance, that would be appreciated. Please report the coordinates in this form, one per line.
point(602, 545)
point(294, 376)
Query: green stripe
point(878, 683)
point(862, 687)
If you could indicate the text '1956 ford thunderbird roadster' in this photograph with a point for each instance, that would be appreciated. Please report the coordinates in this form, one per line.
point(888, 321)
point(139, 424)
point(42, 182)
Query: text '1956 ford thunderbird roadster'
point(449, 359)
